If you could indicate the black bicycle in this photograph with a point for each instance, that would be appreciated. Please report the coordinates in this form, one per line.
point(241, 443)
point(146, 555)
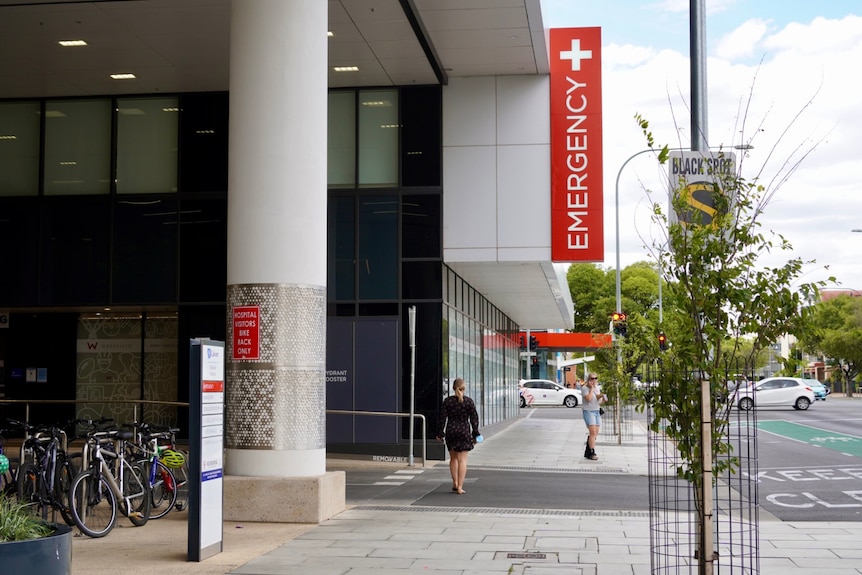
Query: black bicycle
point(45, 473)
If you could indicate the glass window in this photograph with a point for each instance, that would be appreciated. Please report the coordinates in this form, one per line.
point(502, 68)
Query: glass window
point(144, 251)
point(421, 279)
point(420, 226)
point(77, 147)
point(19, 244)
point(341, 248)
point(203, 142)
point(378, 138)
point(147, 131)
point(420, 136)
point(341, 140)
point(19, 148)
point(203, 250)
point(377, 249)
point(75, 251)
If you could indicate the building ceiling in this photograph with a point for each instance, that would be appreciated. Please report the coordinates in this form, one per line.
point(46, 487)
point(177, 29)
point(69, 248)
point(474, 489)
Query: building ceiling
point(183, 46)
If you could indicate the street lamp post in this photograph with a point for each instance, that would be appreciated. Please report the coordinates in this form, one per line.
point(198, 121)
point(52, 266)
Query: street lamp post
point(617, 206)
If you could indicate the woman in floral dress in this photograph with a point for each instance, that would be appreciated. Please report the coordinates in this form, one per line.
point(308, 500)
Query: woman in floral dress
point(459, 427)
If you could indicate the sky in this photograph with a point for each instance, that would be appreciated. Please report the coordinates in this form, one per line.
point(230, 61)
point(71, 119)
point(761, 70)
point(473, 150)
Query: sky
point(782, 77)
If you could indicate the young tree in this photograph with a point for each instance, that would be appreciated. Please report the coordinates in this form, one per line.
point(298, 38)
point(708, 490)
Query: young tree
point(835, 331)
point(712, 257)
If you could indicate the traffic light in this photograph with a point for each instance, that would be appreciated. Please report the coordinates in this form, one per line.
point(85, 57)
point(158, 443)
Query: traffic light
point(619, 320)
point(522, 342)
point(662, 341)
point(534, 343)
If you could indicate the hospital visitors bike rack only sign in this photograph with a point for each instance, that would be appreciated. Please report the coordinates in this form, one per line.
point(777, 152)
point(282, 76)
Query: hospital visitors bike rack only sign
point(246, 332)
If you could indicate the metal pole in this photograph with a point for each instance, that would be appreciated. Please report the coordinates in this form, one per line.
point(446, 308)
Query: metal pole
point(617, 205)
point(660, 305)
point(411, 317)
point(697, 57)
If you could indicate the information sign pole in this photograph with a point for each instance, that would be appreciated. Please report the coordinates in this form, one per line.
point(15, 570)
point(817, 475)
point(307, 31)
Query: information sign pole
point(206, 446)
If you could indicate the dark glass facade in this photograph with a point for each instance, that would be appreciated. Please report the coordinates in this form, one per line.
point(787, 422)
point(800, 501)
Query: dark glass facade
point(103, 251)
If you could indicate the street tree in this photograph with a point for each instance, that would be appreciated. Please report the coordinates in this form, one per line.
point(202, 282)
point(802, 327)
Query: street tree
point(725, 296)
point(835, 331)
point(594, 295)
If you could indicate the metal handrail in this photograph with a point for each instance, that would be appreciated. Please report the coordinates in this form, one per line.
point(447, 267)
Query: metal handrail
point(134, 403)
point(393, 414)
point(27, 403)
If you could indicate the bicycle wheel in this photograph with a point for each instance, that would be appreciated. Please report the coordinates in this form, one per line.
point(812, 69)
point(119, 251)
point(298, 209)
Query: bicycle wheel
point(62, 485)
point(136, 490)
point(182, 477)
point(30, 486)
point(163, 490)
point(93, 505)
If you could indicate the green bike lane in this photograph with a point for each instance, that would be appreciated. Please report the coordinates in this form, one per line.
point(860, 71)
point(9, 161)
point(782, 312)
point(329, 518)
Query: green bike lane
point(840, 442)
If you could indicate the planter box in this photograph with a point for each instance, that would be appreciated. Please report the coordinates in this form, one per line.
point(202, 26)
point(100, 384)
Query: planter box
point(51, 555)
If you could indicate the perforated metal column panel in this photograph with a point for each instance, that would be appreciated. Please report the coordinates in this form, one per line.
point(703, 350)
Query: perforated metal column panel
point(278, 401)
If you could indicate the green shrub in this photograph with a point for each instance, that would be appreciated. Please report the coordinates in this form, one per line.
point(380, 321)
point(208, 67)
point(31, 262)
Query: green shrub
point(18, 521)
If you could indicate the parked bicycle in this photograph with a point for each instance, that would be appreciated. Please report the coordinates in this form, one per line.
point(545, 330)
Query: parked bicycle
point(8, 468)
point(109, 484)
point(44, 477)
point(154, 446)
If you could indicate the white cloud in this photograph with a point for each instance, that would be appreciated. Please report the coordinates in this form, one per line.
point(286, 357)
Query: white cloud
point(677, 6)
point(800, 99)
point(743, 41)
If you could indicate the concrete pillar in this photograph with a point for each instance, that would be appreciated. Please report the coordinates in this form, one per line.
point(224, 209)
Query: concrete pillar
point(275, 396)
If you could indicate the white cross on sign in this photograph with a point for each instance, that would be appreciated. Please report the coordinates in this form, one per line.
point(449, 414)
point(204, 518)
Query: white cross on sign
point(576, 55)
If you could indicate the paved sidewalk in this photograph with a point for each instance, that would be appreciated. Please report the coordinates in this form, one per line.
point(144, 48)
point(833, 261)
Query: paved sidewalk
point(400, 540)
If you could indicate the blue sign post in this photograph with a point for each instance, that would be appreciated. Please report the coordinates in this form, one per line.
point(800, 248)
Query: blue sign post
point(206, 444)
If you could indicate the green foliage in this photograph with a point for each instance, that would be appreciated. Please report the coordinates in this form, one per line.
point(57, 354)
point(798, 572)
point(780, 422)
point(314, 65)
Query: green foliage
point(18, 522)
point(589, 284)
point(794, 364)
point(727, 308)
point(594, 294)
point(835, 331)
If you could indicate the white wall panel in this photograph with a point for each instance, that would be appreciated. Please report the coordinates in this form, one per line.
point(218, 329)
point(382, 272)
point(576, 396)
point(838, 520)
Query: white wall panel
point(523, 110)
point(469, 197)
point(469, 112)
point(524, 198)
point(496, 169)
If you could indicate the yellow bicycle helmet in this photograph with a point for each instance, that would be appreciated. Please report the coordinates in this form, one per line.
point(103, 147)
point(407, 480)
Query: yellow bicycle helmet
point(172, 459)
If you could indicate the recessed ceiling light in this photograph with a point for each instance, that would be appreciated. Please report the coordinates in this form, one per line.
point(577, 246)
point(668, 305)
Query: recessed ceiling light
point(131, 111)
point(378, 104)
point(72, 43)
point(170, 109)
point(8, 137)
point(346, 68)
point(123, 76)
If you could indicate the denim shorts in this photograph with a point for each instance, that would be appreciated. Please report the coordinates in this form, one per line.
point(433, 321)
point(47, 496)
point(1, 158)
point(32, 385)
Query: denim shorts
point(592, 417)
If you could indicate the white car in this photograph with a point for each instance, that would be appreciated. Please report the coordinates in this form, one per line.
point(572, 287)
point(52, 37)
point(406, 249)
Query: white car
point(547, 392)
point(775, 392)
